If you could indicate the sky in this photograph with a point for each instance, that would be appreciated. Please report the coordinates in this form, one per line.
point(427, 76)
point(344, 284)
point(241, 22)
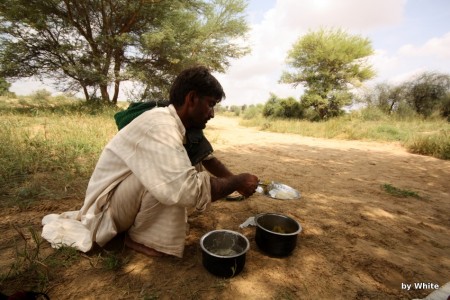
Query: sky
point(408, 37)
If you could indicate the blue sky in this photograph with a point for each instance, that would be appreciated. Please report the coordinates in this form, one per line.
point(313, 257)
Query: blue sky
point(408, 36)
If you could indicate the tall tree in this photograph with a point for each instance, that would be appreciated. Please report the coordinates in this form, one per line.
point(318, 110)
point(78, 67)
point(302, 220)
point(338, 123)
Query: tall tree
point(184, 39)
point(95, 44)
point(328, 63)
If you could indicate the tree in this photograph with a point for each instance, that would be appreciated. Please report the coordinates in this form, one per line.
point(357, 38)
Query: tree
point(386, 97)
point(4, 86)
point(95, 44)
point(429, 92)
point(186, 38)
point(328, 63)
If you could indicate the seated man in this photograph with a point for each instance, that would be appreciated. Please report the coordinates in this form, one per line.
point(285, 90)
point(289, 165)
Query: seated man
point(144, 181)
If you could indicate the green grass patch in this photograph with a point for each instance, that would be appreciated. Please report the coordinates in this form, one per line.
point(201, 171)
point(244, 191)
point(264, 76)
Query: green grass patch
point(401, 193)
point(113, 261)
point(64, 256)
point(49, 150)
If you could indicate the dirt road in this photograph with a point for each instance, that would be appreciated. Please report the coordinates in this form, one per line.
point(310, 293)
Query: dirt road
point(358, 241)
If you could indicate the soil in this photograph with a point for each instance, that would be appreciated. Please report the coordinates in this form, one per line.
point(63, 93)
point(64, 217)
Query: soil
point(357, 242)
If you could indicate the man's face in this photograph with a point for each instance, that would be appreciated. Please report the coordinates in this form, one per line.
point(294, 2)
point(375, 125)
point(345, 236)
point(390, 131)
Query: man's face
point(202, 111)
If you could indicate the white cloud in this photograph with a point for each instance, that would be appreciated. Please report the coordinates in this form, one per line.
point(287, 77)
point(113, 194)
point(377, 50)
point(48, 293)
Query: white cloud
point(357, 14)
point(402, 77)
point(252, 78)
point(383, 63)
point(438, 46)
point(411, 60)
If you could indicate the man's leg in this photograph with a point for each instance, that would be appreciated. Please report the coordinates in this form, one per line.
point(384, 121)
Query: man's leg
point(124, 206)
point(153, 228)
point(125, 202)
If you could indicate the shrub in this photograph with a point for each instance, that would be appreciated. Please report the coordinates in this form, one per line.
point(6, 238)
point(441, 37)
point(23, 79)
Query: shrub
point(41, 95)
point(405, 112)
point(287, 108)
point(437, 145)
point(371, 113)
point(253, 111)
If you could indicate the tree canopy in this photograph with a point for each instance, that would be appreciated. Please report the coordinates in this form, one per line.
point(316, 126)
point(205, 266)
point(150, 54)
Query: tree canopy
point(429, 92)
point(425, 94)
point(328, 63)
point(283, 108)
point(93, 45)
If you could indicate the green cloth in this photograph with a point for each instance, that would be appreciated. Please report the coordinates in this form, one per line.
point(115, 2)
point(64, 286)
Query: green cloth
point(197, 146)
point(124, 117)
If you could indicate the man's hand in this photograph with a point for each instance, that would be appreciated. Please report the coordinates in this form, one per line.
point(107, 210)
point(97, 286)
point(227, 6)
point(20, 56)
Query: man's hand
point(249, 184)
point(244, 183)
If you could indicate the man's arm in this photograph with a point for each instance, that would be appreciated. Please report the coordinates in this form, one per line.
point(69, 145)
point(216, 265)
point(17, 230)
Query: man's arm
point(216, 167)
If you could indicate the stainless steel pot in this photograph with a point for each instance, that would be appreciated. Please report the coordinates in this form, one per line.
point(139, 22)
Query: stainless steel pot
point(223, 252)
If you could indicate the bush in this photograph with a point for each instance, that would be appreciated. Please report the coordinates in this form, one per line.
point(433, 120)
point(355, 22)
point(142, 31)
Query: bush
point(428, 92)
point(253, 111)
point(445, 108)
point(405, 112)
point(41, 95)
point(4, 87)
point(370, 113)
point(236, 110)
point(437, 145)
point(426, 95)
point(288, 108)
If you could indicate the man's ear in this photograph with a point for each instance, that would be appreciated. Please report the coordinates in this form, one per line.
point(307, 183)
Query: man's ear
point(190, 98)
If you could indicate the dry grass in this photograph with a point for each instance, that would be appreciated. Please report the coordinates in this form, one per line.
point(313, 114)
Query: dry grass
point(422, 136)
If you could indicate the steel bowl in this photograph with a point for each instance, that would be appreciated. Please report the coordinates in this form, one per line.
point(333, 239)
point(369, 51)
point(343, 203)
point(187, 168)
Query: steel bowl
point(223, 252)
point(276, 234)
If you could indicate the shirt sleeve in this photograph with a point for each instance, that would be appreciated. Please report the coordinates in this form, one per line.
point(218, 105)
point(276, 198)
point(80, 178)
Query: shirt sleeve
point(161, 163)
point(210, 156)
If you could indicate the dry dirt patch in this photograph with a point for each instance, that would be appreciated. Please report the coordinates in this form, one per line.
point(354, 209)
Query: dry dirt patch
point(358, 242)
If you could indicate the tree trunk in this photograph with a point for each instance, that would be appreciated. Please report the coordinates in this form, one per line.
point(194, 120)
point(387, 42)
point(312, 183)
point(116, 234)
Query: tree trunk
point(117, 63)
point(391, 108)
point(116, 91)
point(104, 93)
point(86, 94)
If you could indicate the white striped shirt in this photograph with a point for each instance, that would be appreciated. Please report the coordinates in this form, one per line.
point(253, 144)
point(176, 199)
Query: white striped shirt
point(151, 148)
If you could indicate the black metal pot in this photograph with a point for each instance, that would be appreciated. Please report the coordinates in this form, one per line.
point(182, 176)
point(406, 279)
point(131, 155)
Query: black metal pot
point(276, 234)
point(223, 252)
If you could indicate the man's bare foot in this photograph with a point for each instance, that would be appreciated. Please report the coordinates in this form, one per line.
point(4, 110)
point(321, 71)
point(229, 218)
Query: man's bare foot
point(141, 248)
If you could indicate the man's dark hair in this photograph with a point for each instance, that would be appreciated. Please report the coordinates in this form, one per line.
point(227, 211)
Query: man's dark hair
point(198, 79)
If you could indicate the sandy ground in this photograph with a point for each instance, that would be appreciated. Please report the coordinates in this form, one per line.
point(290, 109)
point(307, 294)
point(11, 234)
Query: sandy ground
point(358, 241)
